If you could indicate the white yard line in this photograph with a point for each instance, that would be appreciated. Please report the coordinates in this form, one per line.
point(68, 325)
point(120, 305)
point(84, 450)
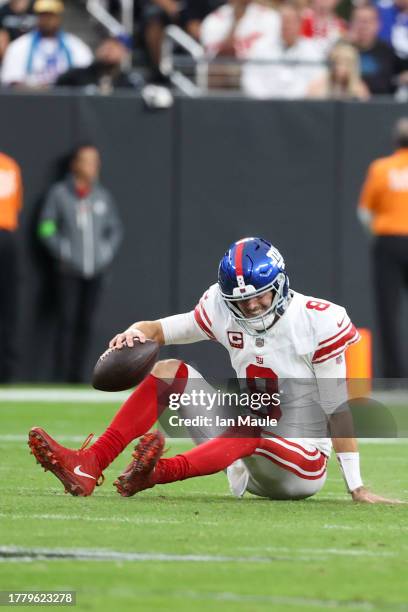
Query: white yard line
point(366, 527)
point(252, 598)
point(383, 441)
point(153, 521)
point(336, 552)
point(58, 396)
point(22, 438)
point(273, 552)
point(135, 520)
point(84, 554)
point(26, 556)
point(13, 438)
point(279, 601)
point(18, 554)
point(17, 438)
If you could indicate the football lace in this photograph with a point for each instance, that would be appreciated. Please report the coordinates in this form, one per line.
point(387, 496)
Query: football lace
point(106, 353)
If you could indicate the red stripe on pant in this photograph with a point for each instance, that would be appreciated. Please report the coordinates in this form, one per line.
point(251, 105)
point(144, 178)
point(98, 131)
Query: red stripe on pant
point(217, 454)
point(299, 464)
point(293, 444)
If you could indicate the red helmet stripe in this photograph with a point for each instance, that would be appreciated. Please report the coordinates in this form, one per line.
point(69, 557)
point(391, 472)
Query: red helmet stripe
point(239, 269)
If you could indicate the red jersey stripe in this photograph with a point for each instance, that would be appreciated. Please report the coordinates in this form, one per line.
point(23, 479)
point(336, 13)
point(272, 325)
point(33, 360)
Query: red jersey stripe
point(206, 317)
point(346, 327)
point(331, 355)
point(201, 323)
point(341, 343)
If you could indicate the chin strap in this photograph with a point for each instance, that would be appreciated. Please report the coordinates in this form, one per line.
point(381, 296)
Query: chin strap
point(283, 304)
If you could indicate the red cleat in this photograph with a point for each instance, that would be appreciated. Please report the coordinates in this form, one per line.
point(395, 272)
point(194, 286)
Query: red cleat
point(78, 470)
point(138, 474)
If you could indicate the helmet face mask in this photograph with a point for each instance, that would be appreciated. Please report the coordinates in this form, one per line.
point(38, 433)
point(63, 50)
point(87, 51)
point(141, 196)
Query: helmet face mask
point(251, 268)
point(259, 322)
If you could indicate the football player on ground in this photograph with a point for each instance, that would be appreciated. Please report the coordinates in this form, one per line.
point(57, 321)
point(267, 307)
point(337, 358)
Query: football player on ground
point(271, 332)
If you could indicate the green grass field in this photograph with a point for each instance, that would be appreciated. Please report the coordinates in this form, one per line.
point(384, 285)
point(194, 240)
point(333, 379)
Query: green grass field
point(203, 549)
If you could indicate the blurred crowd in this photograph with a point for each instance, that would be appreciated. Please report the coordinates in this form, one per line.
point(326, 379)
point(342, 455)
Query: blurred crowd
point(270, 48)
point(37, 52)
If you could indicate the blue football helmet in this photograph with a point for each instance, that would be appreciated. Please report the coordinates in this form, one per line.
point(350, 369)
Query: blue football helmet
point(251, 267)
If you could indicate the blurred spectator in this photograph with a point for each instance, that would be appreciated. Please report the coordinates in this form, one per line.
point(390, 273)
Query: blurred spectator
point(196, 12)
point(399, 32)
point(343, 79)
point(11, 195)
point(377, 59)
point(81, 229)
point(16, 18)
point(394, 30)
point(394, 27)
point(36, 59)
point(156, 15)
point(321, 23)
point(291, 78)
point(107, 72)
point(241, 29)
point(244, 30)
point(383, 209)
point(388, 11)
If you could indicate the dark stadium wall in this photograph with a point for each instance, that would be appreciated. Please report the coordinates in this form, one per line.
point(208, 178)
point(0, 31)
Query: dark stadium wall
point(190, 180)
point(255, 168)
point(137, 152)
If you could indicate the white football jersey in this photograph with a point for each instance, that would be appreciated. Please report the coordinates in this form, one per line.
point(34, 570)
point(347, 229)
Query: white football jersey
point(256, 34)
point(310, 332)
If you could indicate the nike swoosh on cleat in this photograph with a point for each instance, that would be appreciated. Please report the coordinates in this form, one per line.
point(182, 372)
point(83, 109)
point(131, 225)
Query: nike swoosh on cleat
point(78, 472)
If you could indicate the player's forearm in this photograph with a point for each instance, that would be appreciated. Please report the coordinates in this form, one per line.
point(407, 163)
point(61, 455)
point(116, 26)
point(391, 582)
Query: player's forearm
point(345, 445)
point(349, 462)
point(151, 329)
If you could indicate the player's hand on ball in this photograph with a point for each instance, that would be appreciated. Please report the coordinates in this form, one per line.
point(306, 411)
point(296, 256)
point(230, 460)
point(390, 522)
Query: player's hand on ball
point(126, 362)
point(127, 338)
point(362, 494)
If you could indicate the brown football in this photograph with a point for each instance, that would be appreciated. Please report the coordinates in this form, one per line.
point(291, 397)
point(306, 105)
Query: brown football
point(121, 369)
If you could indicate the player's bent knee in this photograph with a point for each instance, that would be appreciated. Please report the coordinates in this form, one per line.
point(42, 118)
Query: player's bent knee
point(166, 369)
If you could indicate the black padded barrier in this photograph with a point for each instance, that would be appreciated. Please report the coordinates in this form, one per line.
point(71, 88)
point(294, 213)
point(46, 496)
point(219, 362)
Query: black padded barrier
point(190, 180)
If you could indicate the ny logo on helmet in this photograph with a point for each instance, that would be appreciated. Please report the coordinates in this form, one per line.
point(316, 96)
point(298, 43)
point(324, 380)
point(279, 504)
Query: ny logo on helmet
point(276, 257)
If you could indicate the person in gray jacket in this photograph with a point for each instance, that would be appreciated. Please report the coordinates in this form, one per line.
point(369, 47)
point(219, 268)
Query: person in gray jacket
point(81, 229)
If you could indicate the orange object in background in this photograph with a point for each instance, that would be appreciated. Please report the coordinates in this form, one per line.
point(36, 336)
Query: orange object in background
point(359, 365)
point(11, 191)
point(385, 192)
